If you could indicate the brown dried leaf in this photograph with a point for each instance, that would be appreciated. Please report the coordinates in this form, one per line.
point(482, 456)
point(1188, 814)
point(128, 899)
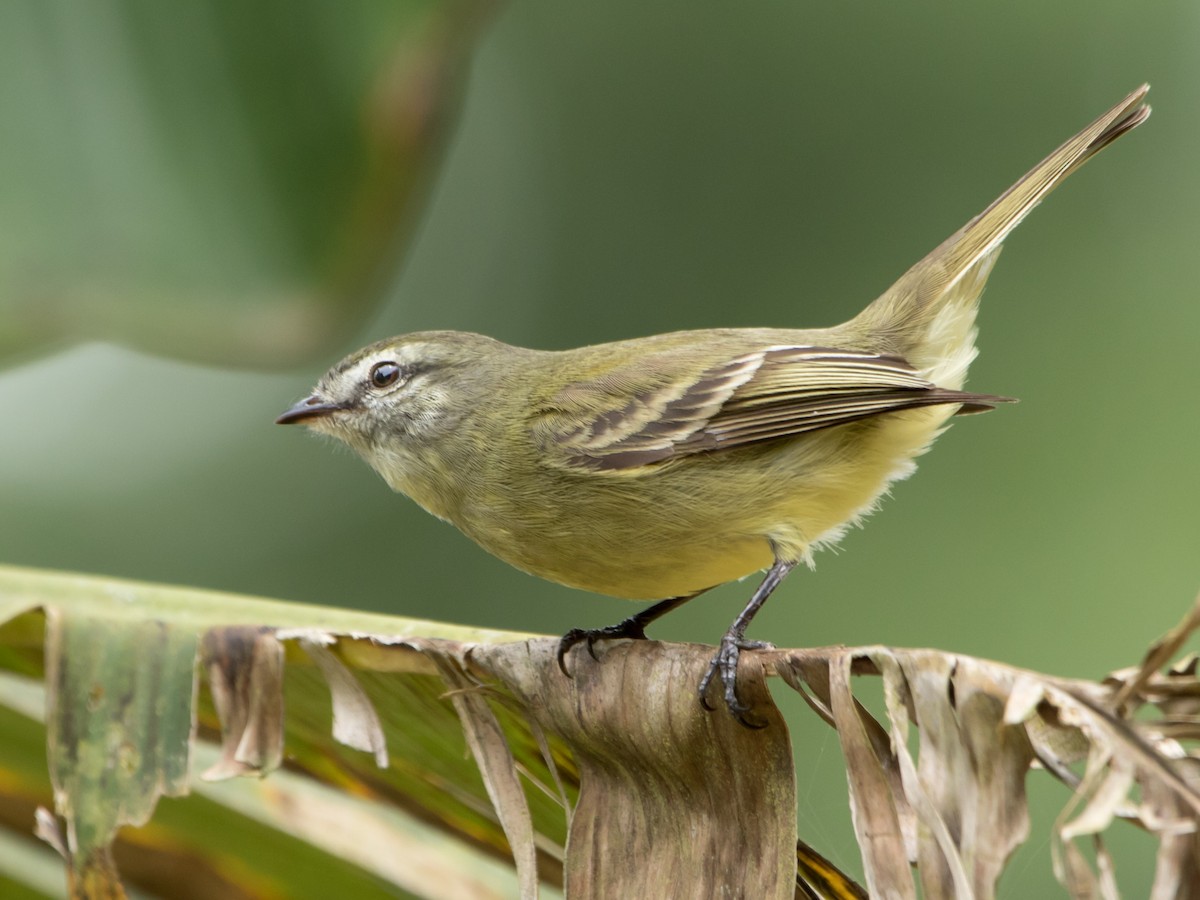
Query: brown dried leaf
point(355, 721)
point(245, 675)
point(924, 687)
point(1177, 867)
point(873, 796)
point(495, 760)
point(981, 725)
point(993, 801)
point(1158, 655)
point(1104, 790)
point(705, 806)
point(46, 828)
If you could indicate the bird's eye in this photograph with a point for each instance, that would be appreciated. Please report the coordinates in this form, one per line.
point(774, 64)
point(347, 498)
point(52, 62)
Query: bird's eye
point(384, 374)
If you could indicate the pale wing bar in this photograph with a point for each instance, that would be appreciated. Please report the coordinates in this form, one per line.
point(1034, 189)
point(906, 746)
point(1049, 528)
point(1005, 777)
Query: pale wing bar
point(658, 418)
point(768, 394)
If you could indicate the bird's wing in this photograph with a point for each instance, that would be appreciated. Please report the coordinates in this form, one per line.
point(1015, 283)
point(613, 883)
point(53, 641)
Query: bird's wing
point(761, 395)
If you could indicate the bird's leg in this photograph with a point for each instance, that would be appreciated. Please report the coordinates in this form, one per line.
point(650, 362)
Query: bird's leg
point(725, 661)
point(634, 627)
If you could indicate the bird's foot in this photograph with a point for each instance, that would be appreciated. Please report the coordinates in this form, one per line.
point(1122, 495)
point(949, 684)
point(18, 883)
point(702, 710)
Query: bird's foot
point(725, 664)
point(632, 628)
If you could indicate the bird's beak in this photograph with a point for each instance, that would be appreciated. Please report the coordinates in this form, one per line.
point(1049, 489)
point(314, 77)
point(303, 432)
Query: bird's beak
point(312, 407)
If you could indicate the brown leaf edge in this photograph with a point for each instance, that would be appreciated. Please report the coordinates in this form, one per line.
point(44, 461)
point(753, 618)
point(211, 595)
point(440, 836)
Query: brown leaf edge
point(957, 810)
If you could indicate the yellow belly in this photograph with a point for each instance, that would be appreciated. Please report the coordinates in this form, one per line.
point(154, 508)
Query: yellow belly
point(673, 530)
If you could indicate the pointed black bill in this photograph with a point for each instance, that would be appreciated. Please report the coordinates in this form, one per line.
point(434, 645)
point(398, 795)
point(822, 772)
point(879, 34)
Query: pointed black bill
point(310, 408)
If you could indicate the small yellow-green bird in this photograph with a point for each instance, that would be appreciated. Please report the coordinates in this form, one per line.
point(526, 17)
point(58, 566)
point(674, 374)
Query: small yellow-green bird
point(659, 467)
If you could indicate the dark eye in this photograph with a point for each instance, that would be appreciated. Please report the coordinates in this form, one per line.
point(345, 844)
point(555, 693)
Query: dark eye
point(384, 374)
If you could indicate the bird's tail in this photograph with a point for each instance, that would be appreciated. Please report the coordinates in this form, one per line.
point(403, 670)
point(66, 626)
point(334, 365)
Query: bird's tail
point(928, 316)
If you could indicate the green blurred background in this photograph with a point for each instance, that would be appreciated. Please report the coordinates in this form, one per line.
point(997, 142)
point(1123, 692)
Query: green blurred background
point(258, 189)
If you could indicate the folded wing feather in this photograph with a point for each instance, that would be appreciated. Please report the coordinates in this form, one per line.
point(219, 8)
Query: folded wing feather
point(764, 395)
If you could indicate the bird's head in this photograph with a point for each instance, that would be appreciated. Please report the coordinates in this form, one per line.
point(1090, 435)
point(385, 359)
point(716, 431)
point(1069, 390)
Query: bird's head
point(391, 400)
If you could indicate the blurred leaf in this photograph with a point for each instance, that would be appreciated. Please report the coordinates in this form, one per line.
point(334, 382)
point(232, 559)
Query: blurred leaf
point(220, 181)
point(120, 728)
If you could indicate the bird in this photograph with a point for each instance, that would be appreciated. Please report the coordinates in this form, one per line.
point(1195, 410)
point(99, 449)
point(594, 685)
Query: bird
point(659, 467)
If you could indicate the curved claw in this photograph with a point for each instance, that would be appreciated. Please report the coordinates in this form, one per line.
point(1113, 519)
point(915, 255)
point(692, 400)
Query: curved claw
point(565, 643)
point(630, 628)
point(752, 723)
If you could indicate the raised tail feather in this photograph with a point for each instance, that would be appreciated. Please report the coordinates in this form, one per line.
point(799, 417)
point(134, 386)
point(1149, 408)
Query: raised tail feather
point(947, 283)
